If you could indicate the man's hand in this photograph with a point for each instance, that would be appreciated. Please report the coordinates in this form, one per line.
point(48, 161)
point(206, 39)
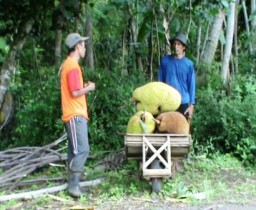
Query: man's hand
point(189, 111)
point(90, 86)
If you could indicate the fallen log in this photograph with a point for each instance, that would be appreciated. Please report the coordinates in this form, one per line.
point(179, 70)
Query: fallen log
point(42, 192)
point(38, 181)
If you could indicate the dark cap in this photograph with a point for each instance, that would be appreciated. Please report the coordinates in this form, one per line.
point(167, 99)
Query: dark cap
point(180, 37)
point(73, 38)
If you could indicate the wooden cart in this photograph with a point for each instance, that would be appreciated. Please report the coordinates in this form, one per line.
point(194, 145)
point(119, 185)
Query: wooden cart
point(159, 154)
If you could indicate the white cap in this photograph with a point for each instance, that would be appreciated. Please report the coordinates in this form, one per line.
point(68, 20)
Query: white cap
point(73, 38)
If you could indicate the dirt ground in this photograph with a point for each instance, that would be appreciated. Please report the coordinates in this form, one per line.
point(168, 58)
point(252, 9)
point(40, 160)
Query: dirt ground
point(156, 205)
point(91, 201)
point(153, 202)
point(132, 204)
point(242, 199)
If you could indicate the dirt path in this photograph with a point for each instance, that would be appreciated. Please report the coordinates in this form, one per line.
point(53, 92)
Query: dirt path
point(133, 205)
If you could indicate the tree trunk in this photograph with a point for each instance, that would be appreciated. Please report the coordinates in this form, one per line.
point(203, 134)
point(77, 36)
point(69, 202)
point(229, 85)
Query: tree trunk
point(58, 42)
point(236, 41)
point(190, 17)
point(253, 15)
point(151, 51)
point(246, 23)
point(9, 65)
point(212, 42)
point(124, 53)
point(205, 41)
point(253, 23)
point(157, 39)
point(134, 35)
point(198, 43)
point(6, 111)
point(229, 42)
point(166, 23)
point(89, 45)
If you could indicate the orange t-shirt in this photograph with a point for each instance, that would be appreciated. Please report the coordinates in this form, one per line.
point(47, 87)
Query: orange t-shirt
point(72, 106)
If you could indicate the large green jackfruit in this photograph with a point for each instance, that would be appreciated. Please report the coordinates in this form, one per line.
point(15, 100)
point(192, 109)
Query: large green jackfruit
point(141, 122)
point(156, 97)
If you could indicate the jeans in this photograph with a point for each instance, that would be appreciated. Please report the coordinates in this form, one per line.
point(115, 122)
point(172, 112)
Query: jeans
point(78, 143)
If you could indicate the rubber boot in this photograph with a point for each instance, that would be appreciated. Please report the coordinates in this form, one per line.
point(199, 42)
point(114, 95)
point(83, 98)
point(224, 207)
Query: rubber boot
point(73, 185)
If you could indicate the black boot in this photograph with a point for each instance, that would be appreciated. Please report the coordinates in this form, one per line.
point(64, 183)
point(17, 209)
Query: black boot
point(73, 185)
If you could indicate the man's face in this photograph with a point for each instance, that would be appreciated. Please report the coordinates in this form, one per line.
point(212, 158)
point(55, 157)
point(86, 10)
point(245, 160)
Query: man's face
point(81, 49)
point(179, 48)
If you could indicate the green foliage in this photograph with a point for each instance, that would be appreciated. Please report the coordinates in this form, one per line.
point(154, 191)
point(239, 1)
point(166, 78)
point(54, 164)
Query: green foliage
point(124, 181)
point(38, 110)
point(110, 106)
point(221, 122)
point(4, 48)
point(218, 177)
point(227, 123)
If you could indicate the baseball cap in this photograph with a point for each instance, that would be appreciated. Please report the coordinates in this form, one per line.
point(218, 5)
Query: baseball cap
point(180, 37)
point(73, 38)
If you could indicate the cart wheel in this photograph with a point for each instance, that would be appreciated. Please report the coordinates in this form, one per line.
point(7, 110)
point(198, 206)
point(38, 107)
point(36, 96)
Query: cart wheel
point(156, 182)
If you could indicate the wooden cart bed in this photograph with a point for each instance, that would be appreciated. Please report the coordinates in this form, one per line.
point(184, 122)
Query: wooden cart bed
point(167, 148)
point(179, 144)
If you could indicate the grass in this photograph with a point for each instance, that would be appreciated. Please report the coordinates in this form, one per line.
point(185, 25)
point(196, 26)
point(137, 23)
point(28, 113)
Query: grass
point(221, 178)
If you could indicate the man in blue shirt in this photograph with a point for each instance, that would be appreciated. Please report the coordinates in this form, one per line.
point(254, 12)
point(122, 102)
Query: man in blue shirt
point(178, 71)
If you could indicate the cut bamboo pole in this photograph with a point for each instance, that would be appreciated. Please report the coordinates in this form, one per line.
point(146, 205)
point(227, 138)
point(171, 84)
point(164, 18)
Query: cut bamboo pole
point(38, 193)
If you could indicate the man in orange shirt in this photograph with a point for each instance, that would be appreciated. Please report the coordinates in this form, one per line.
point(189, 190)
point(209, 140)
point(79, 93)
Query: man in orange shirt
point(75, 110)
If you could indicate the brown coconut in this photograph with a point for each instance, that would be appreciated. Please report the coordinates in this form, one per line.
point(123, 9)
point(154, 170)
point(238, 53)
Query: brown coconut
point(172, 122)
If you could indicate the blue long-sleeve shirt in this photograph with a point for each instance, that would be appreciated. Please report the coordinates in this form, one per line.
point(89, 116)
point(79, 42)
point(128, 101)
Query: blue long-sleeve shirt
point(180, 74)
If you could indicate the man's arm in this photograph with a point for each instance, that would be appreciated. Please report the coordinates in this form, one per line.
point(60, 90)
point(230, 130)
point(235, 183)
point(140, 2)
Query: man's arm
point(192, 93)
point(74, 84)
point(161, 71)
point(88, 87)
point(192, 86)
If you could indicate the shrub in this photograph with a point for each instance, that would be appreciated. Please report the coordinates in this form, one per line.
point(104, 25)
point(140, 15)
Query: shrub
point(227, 123)
point(37, 108)
point(110, 107)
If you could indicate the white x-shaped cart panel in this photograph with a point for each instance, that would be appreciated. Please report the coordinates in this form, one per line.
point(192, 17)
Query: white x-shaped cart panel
point(165, 147)
point(163, 153)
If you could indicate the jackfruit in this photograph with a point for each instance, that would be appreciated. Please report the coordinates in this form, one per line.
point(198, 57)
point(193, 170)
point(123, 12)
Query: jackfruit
point(156, 97)
point(172, 122)
point(141, 122)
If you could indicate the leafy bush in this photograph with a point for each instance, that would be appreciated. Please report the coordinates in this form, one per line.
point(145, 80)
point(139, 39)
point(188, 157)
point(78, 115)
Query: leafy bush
point(37, 108)
point(227, 123)
point(110, 106)
point(222, 122)
point(4, 48)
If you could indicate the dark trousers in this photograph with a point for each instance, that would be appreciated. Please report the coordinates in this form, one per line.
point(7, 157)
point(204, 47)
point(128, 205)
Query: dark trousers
point(182, 109)
point(78, 143)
